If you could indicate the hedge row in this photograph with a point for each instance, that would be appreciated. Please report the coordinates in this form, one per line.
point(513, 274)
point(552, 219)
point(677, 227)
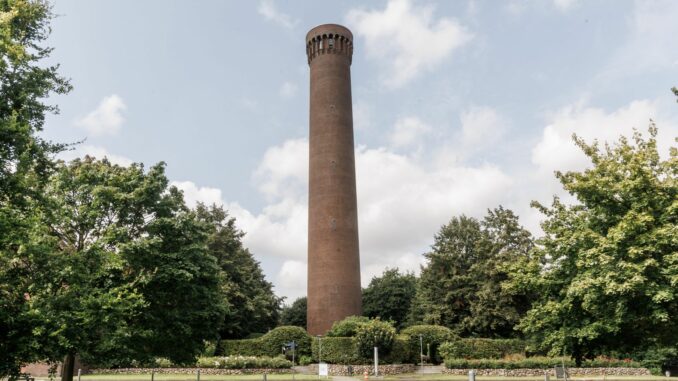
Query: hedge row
point(432, 336)
point(244, 362)
point(481, 348)
point(344, 350)
point(535, 363)
point(270, 344)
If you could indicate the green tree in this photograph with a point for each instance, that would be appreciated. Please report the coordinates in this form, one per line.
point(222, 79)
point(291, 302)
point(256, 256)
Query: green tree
point(462, 285)
point(390, 296)
point(24, 166)
point(254, 308)
point(129, 275)
point(446, 284)
point(494, 309)
point(606, 271)
point(294, 314)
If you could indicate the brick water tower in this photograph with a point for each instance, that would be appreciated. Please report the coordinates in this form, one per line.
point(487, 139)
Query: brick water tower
point(333, 254)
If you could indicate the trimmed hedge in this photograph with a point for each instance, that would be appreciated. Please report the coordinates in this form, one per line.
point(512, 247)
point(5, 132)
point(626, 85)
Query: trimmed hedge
point(536, 363)
point(400, 352)
point(244, 362)
point(432, 337)
point(337, 350)
point(481, 348)
point(344, 351)
point(270, 344)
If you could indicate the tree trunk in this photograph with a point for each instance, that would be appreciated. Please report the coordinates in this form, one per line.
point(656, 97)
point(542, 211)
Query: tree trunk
point(68, 367)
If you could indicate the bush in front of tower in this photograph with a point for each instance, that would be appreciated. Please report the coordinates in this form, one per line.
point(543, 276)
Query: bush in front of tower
point(347, 327)
point(375, 333)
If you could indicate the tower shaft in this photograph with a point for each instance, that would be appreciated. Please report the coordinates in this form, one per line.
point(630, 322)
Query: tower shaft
point(333, 252)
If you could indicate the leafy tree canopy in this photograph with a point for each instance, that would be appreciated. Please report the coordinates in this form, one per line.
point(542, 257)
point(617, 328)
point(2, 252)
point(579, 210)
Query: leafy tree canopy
point(24, 166)
point(121, 268)
point(254, 308)
point(389, 296)
point(461, 285)
point(606, 271)
point(295, 314)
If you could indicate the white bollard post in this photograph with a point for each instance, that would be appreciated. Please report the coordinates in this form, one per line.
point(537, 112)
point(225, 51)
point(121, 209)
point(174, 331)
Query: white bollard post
point(79, 373)
point(376, 361)
point(471, 375)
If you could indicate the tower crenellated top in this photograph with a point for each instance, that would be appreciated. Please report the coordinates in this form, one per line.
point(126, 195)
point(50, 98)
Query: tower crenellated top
point(329, 39)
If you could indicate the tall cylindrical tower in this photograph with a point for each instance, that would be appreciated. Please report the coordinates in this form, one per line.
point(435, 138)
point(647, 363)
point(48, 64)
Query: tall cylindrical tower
point(333, 255)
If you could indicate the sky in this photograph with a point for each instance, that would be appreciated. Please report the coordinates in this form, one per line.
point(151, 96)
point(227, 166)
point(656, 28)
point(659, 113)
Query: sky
point(458, 106)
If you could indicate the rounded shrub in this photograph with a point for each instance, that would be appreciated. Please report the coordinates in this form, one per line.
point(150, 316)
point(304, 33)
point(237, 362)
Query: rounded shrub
point(347, 327)
point(432, 336)
point(375, 333)
point(274, 340)
point(270, 344)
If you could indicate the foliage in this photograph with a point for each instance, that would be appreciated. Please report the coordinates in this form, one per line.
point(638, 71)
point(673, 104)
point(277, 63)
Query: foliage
point(400, 352)
point(295, 314)
point(25, 83)
point(244, 362)
point(305, 360)
point(461, 285)
point(657, 359)
point(481, 348)
point(344, 350)
point(128, 275)
point(253, 305)
point(336, 350)
point(535, 363)
point(375, 333)
point(270, 344)
point(162, 362)
point(347, 327)
point(607, 269)
point(389, 296)
point(432, 336)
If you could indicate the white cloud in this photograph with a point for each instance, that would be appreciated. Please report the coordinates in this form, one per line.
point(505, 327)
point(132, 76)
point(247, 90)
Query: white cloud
point(194, 194)
point(288, 90)
point(268, 10)
point(362, 116)
point(106, 119)
point(97, 152)
point(651, 45)
point(565, 5)
point(291, 280)
point(407, 39)
point(557, 151)
point(283, 171)
point(402, 203)
point(408, 132)
point(481, 126)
